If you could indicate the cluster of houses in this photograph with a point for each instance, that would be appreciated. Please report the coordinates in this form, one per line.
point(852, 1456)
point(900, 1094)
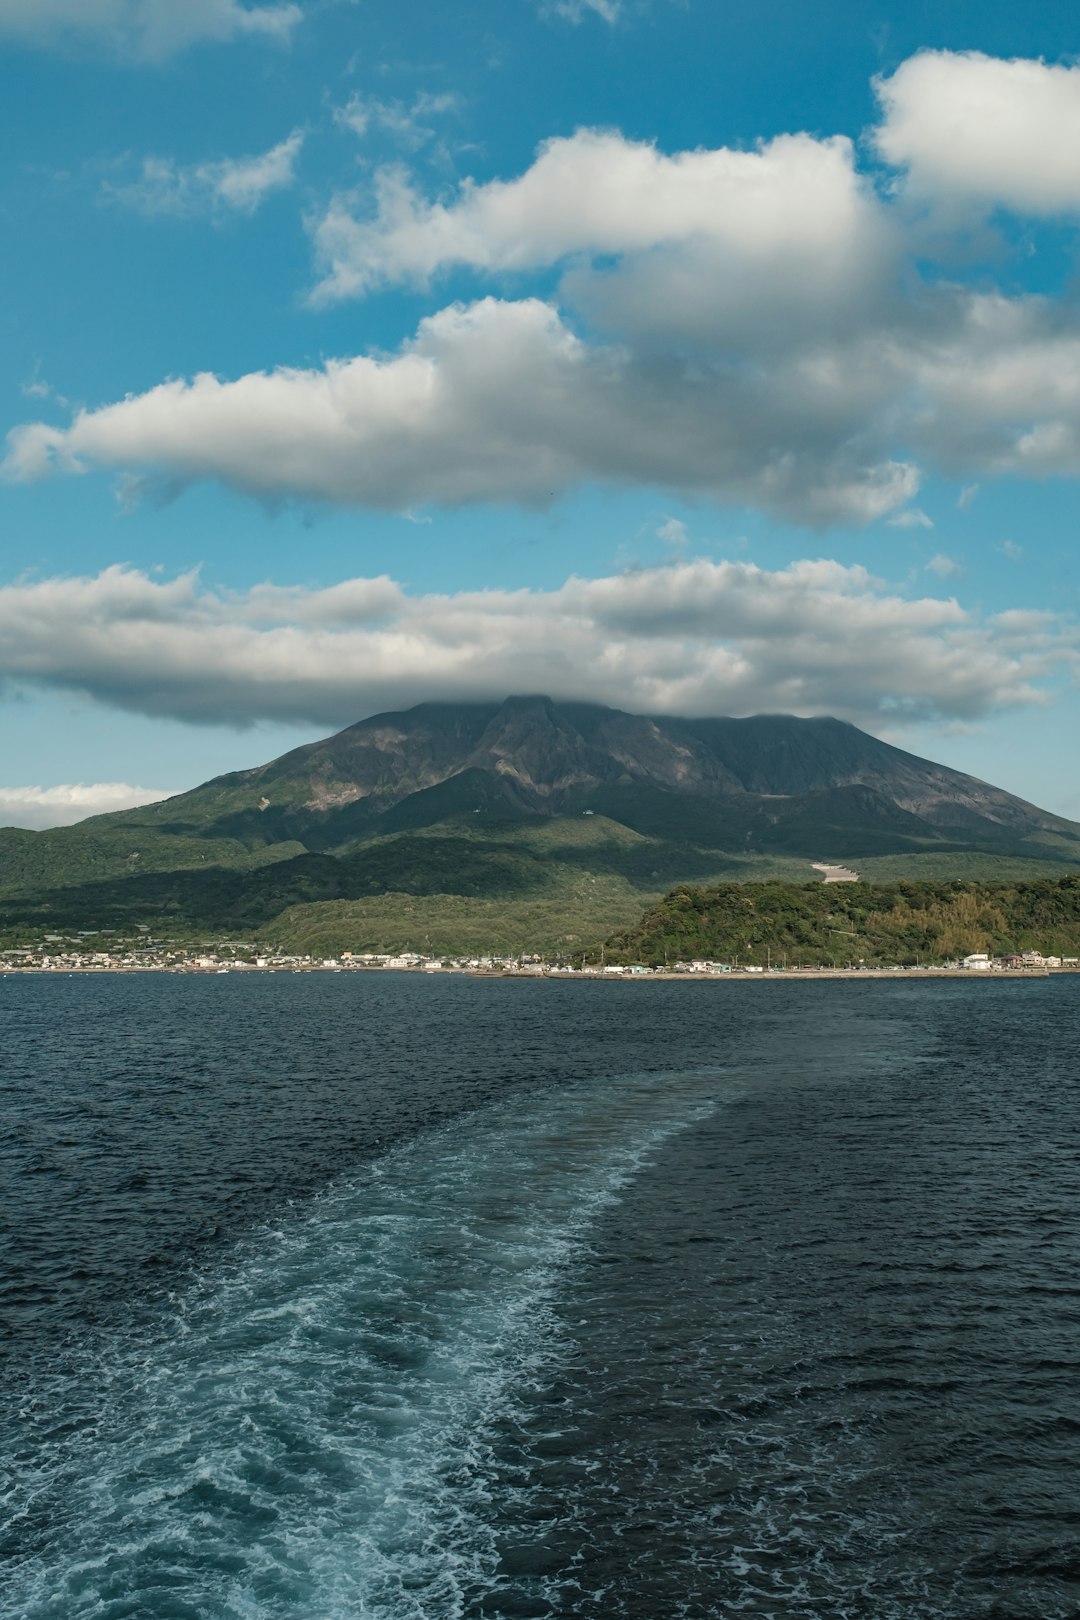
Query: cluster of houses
point(1014, 961)
point(87, 952)
point(79, 954)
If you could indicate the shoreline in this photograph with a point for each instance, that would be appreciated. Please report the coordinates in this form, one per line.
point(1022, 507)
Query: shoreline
point(597, 976)
point(790, 975)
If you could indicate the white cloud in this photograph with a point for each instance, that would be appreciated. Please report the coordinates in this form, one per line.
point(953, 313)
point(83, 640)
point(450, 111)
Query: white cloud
point(40, 807)
point(492, 402)
point(696, 637)
point(38, 387)
point(748, 326)
point(407, 125)
point(503, 401)
point(966, 496)
point(944, 567)
point(999, 386)
point(673, 533)
point(147, 30)
point(237, 184)
point(795, 206)
point(1010, 549)
point(913, 517)
point(975, 129)
point(575, 11)
point(242, 183)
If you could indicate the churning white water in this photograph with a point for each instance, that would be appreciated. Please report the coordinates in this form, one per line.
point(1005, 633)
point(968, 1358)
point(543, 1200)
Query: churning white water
point(306, 1431)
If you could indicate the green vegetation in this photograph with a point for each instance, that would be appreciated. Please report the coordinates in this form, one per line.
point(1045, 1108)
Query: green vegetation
point(105, 849)
point(879, 924)
point(974, 866)
point(557, 865)
point(478, 883)
point(575, 914)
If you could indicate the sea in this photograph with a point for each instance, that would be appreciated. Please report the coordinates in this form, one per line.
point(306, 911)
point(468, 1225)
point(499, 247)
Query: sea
point(424, 1297)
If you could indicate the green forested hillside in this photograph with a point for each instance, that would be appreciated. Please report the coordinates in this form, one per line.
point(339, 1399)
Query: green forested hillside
point(467, 885)
point(571, 915)
point(816, 924)
point(110, 849)
point(564, 862)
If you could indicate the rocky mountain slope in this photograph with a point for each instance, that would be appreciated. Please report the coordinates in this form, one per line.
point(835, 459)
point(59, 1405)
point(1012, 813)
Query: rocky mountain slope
point(529, 756)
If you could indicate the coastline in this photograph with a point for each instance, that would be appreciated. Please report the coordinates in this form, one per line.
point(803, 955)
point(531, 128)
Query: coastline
point(576, 976)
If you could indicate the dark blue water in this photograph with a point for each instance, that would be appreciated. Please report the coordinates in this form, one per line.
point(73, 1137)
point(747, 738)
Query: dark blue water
point(335, 1296)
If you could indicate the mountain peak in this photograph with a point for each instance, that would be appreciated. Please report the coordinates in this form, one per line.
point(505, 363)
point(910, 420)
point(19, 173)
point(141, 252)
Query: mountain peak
point(531, 755)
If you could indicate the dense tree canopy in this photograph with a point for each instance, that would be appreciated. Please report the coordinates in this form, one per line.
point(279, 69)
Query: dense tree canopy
point(876, 923)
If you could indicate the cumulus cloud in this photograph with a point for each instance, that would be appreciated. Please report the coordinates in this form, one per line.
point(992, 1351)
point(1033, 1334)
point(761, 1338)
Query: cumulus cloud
point(695, 637)
point(504, 401)
point(999, 386)
point(236, 184)
point(749, 326)
point(147, 30)
point(41, 807)
point(976, 129)
point(494, 401)
point(794, 204)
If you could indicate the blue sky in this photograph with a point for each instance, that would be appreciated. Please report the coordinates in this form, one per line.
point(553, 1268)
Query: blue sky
point(633, 350)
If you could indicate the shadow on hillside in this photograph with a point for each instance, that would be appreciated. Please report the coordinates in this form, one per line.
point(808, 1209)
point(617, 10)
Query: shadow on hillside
point(220, 897)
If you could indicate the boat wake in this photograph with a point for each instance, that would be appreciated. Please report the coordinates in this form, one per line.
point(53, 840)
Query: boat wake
point(309, 1430)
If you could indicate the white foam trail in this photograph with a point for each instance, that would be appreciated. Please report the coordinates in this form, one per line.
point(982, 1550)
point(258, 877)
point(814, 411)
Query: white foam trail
point(310, 1433)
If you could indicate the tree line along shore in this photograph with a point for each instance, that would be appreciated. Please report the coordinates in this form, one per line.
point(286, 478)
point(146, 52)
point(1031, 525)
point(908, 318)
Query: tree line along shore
point(869, 925)
point(743, 928)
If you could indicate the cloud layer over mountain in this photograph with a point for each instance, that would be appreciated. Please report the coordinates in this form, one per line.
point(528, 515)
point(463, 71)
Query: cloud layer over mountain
point(697, 637)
